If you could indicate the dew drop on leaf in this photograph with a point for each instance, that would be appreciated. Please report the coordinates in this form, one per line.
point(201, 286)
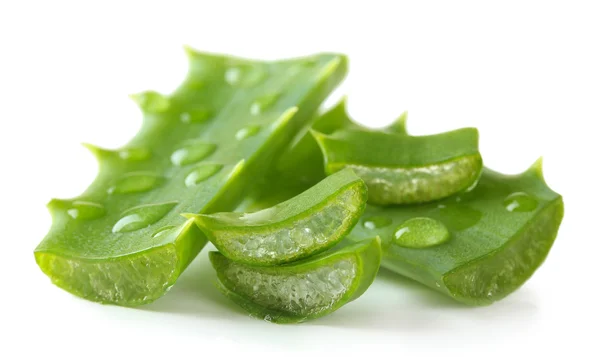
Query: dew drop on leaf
point(202, 173)
point(192, 152)
point(520, 202)
point(421, 232)
point(247, 132)
point(142, 216)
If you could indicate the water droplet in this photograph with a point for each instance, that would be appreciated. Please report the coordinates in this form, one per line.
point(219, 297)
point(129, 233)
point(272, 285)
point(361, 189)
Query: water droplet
point(85, 210)
point(192, 152)
point(142, 216)
point(458, 216)
point(421, 232)
point(233, 75)
point(202, 173)
point(195, 116)
point(135, 182)
point(134, 154)
point(246, 132)
point(263, 103)
point(376, 222)
point(520, 202)
point(245, 75)
point(152, 102)
point(162, 231)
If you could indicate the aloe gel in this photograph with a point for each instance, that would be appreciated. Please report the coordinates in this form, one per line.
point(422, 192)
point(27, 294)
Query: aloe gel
point(302, 290)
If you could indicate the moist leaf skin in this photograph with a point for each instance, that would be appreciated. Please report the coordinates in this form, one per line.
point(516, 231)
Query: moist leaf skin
point(493, 249)
point(302, 290)
point(123, 241)
point(302, 226)
point(403, 169)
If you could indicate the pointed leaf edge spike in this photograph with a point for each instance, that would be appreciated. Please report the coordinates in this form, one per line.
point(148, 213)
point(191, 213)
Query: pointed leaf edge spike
point(398, 126)
point(55, 204)
point(537, 169)
point(190, 52)
point(331, 66)
point(98, 152)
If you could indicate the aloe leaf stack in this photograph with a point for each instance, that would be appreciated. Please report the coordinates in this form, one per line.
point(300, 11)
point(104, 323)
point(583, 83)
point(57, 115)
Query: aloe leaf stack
point(303, 208)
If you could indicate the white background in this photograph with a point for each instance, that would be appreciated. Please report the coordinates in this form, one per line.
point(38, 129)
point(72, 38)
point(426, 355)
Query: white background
point(527, 74)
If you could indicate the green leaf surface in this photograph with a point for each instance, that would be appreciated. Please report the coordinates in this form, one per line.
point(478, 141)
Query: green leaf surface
point(302, 290)
point(123, 241)
point(500, 233)
point(403, 169)
point(302, 226)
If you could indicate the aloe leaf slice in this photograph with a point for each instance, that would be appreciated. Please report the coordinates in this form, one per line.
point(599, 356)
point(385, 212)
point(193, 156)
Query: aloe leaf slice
point(123, 241)
point(476, 247)
point(500, 233)
point(302, 290)
point(304, 225)
point(403, 169)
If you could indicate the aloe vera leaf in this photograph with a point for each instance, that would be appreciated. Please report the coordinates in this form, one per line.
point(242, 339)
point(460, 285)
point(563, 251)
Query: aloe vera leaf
point(302, 226)
point(500, 233)
point(123, 241)
point(403, 169)
point(302, 290)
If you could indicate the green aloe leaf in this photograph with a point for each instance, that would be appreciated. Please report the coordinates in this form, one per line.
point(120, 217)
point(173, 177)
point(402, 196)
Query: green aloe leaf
point(499, 234)
point(123, 241)
point(304, 225)
point(403, 169)
point(477, 247)
point(302, 290)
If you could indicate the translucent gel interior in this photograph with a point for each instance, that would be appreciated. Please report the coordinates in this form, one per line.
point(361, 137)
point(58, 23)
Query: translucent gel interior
point(418, 184)
point(126, 281)
point(304, 235)
point(301, 294)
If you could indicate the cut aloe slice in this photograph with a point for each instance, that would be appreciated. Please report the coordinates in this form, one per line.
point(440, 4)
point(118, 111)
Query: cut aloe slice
point(403, 169)
point(301, 226)
point(123, 241)
point(476, 247)
point(499, 234)
point(302, 290)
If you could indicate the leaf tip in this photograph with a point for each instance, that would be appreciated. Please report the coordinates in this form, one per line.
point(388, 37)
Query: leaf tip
point(98, 152)
point(190, 52)
point(55, 204)
point(399, 125)
point(537, 168)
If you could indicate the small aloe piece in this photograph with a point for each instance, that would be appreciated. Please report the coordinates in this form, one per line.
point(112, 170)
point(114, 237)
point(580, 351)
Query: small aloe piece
point(303, 290)
point(403, 169)
point(302, 226)
point(500, 233)
point(123, 241)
